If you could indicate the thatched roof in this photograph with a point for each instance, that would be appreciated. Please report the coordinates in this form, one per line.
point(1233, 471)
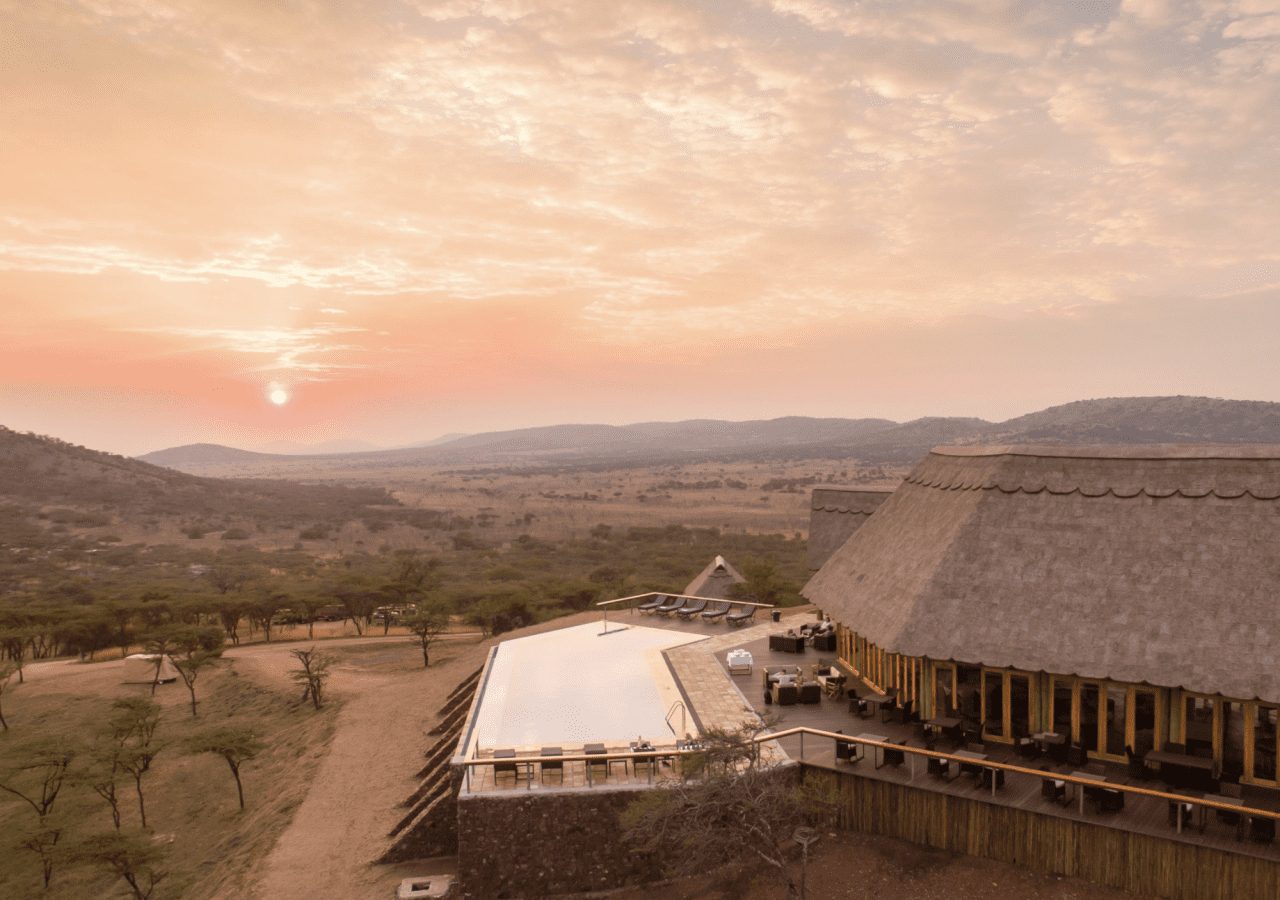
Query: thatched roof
point(1156, 563)
point(835, 514)
point(715, 580)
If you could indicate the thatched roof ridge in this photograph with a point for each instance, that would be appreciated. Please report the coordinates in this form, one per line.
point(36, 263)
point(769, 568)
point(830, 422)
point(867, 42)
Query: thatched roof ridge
point(715, 580)
point(1154, 563)
point(835, 514)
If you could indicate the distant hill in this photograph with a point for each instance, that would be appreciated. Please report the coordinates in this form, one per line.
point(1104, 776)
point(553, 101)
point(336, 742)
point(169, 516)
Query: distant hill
point(1110, 420)
point(1146, 420)
point(200, 455)
point(38, 474)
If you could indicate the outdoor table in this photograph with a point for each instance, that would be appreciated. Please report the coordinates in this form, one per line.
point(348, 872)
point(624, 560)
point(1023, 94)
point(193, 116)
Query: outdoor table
point(970, 768)
point(1233, 801)
point(943, 725)
point(643, 747)
point(1047, 739)
point(1180, 768)
point(879, 702)
point(877, 757)
point(1184, 811)
point(739, 662)
point(1089, 776)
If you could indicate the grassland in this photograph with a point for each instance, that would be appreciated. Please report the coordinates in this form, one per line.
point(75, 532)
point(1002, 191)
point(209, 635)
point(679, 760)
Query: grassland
point(208, 844)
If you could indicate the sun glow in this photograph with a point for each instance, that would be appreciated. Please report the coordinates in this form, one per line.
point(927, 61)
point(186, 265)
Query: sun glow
point(278, 395)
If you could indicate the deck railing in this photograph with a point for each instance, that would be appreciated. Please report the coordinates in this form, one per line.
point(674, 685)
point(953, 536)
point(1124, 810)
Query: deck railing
point(803, 731)
point(1079, 783)
point(657, 755)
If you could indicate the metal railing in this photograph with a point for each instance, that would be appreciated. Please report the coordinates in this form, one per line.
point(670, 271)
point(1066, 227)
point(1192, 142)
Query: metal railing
point(655, 756)
point(1078, 783)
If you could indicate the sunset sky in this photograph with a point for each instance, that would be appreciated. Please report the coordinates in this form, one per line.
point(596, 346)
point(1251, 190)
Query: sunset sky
point(409, 218)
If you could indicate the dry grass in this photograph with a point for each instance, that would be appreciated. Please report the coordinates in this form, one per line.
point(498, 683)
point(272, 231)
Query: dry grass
point(191, 802)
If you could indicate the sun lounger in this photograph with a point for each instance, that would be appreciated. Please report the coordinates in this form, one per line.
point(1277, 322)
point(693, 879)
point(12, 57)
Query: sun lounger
point(670, 606)
point(651, 605)
point(715, 612)
point(689, 610)
point(742, 616)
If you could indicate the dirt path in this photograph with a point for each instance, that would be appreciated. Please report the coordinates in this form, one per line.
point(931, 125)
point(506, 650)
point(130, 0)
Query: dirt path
point(388, 706)
point(378, 744)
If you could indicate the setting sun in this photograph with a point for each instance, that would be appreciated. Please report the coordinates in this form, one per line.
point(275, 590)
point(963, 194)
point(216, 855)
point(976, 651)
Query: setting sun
point(278, 395)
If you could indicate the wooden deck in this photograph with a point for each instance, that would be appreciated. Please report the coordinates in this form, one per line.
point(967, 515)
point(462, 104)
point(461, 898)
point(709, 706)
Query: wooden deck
point(1142, 815)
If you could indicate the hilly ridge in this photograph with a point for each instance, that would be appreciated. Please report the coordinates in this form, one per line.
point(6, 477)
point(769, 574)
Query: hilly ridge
point(877, 441)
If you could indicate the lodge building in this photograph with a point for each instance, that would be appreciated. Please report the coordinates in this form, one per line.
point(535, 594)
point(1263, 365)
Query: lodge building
point(1126, 597)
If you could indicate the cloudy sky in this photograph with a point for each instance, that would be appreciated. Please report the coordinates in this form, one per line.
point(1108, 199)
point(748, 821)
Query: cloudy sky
point(411, 217)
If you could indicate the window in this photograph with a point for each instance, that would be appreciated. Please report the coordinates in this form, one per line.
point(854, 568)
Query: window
point(943, 689)
point(993, 703)
point(1019, 705)
point(1144, 721)
point(1117, 696)
point(1264, 743)
point(1090, 698)
point(1197, 732)
point(1063, 697)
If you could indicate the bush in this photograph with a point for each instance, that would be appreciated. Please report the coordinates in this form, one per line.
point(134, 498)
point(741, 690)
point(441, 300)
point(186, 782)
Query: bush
point(235, 534)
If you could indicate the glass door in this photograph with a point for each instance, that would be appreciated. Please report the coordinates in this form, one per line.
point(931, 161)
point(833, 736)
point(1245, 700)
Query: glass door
point(1090, 698)
point(993, 695)
point(944, 686)
point(1064, 696)
point(1265, 720)
point(1019, 705)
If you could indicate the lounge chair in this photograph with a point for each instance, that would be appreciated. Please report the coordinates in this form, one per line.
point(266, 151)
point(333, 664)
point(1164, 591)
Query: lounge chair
point(716, 611)
point(785, 694)
point(1262, 831)
point(741, 617)
point(651, 605)
point(810, 692)
point(670, 606)
point(939, 768)
point(689, 610)
point(824, 643)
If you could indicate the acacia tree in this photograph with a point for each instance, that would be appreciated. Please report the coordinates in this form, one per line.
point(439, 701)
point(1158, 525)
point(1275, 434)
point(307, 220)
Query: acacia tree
point(132, 857)
point(360, 601)
point(428, 623)
point(103, 774)
point(43, 842)
point(201, 648)
point(134, 727)
point(763, 584)
point(37, 779)
point(16, 643)
point(235, 745)
point(734, 799)
point(313, 674)
point(159, 646)
point(6, 672)
point(310, 606)
point(263, 610)
point(38, 776)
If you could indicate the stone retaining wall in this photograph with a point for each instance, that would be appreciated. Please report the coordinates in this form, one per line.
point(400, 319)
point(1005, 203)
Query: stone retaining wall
point(530, 844)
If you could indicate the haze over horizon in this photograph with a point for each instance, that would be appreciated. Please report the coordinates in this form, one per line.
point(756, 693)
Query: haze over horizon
point(245, 223)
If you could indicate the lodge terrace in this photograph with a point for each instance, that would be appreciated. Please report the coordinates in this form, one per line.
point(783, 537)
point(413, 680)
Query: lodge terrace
point(1059, 657)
